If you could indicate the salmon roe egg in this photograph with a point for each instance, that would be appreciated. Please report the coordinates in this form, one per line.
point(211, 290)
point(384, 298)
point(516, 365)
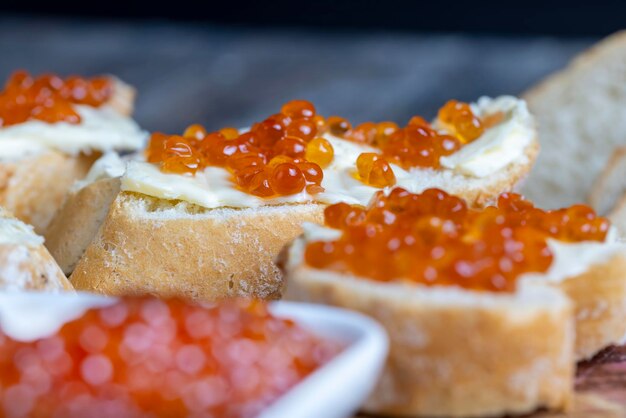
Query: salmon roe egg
point(287, 179)
point(433, 238)
point(374, 170)
point(320, 151)
point(296, 109)
point(49, 98)
point(141, 357)
point(459, 117)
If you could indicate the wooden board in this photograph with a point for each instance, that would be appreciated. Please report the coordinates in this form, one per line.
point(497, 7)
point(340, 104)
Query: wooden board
point(600, 388)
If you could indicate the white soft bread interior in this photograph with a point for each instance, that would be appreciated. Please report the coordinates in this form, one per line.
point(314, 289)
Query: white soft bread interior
point(581, 117)
point(455, 353)
point(610, 185)
point(34, 181)
point(25, 264)
point(593, 275)
point(152, 246)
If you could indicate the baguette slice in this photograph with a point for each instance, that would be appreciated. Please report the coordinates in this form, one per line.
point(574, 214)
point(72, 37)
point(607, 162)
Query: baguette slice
point(610, 185)
point(581, 117)
point(455, 353)
point(593, 276)
point(166, 248)
point(25, 264)
point(34, 188)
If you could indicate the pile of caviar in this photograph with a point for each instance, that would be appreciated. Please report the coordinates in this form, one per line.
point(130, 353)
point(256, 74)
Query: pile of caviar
point(151, 358)
point(419, 144)
point(433, 238)
point(280, 156)
point(286, 153)
point(50, 98)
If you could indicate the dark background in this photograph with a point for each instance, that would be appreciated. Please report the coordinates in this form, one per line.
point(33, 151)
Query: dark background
point(233, 62)
point(555, 17)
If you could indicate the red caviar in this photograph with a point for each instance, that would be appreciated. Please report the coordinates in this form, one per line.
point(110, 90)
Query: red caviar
point(145, 357)
point(50, 98)
point(433, 238)
point(269, 160)
point(295, 136)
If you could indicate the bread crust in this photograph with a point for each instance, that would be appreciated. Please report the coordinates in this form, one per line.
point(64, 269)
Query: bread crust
point(599, 297)
point(454, 359)
point(27, 265)
point(30, 268)
point(78, 220)
point(34, 188)
point(146, 246)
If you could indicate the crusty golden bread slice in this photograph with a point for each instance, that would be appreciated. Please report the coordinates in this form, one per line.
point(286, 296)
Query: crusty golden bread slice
point(593, 275)
point(78, 220)
point(33, 188)
point(168, 248)
point(599, 299)
point(455, 353)
point(609, 187)
point(25, 264)
point(581, 118)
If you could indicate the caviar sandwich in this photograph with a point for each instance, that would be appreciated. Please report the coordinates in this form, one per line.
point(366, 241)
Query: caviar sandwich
point(476, 301)
point(205, 213)
point(51, 131)
point(25, 264)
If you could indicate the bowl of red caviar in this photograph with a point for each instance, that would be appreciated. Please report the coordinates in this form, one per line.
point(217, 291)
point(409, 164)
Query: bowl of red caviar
point(77, 355)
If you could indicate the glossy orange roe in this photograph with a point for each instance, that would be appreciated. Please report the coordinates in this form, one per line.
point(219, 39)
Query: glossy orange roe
point(418, 144)
point(459, 118)
point(277, 157)
point(151, 358)
point(49, 98)
point(433, 238)
point(374, 170)
point(295, 136)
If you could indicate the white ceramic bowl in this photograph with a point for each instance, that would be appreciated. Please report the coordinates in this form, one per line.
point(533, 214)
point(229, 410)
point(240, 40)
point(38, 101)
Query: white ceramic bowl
point(337, 389)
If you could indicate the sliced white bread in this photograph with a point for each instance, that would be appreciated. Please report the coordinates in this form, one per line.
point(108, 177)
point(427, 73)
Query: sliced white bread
point(581, 118)
point(33, 188)
point(610, 185)
point(455, 353)
point(25, 264)
point(593, 275)
point(153, 246)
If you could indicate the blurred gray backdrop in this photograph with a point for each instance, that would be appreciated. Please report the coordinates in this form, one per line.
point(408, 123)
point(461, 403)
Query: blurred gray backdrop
point(197, 73)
